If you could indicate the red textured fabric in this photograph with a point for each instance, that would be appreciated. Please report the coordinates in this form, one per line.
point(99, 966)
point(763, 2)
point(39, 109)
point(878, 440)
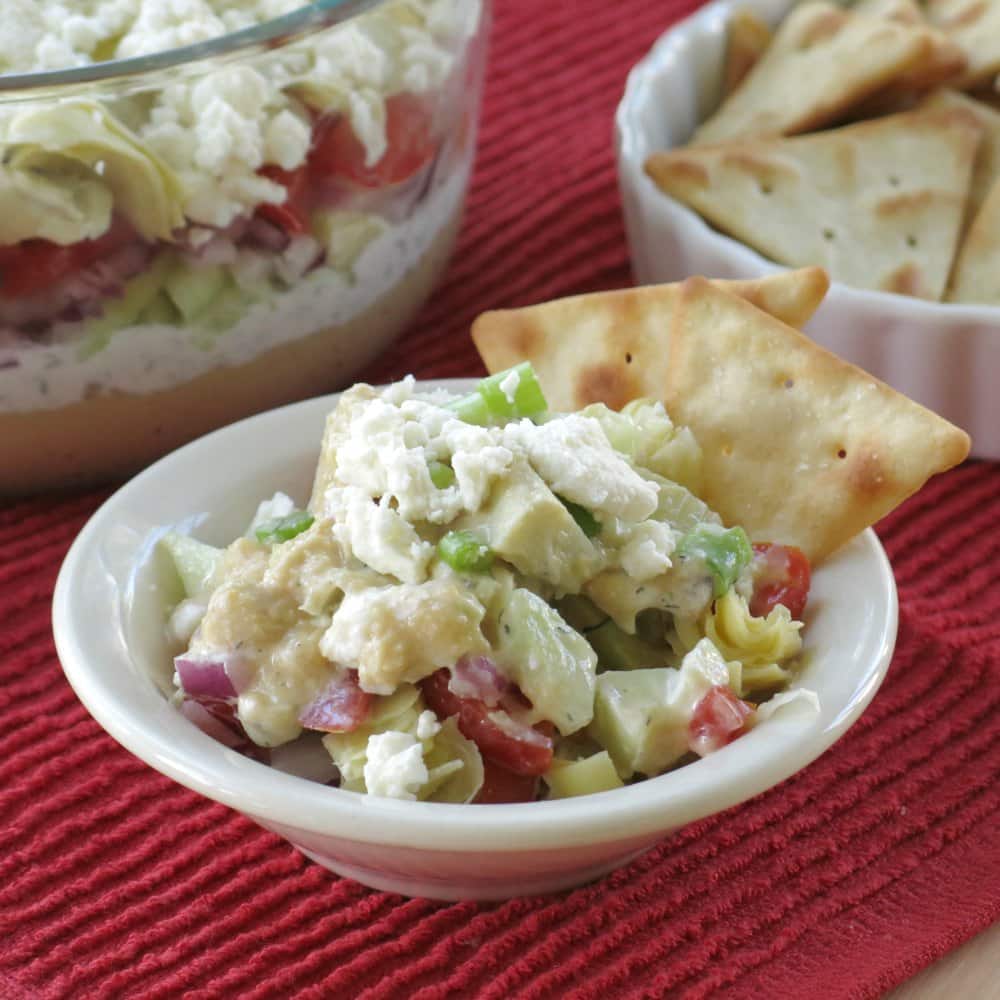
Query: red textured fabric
point(842, 882)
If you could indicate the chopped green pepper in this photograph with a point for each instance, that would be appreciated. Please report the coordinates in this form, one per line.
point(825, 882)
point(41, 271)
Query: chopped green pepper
point(465, 552)
point(442, 475)
point(282, 529)
point(507, 395)
point(725, 552)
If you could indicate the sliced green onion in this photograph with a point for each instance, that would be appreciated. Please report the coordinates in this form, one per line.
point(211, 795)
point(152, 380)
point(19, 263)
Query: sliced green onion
point(282, 529)
point(442, 475)
point(465, 552)
point(586, 521)
point(508, 395)
point(726, 553)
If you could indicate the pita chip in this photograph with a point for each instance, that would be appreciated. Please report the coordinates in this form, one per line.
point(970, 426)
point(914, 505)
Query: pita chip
point(878, 204)
point(822, 62)
point(945, 61)
point(611, 347)
point(974, 25)
point(986, 169)
point(747, 38)
point(976, 277)
point(798, 445)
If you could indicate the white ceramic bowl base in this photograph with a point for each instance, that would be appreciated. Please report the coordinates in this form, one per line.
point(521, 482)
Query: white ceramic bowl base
point(110, 604)
point(946, 357)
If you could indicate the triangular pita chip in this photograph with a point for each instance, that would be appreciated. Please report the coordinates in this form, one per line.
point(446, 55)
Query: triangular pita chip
point(823, 60)
point(798, 446)
point(747, 38)
point(945, 61)
point(986, 169)
point(974, 25)
point(976, 277)
point(610, 347)
point(879, 204)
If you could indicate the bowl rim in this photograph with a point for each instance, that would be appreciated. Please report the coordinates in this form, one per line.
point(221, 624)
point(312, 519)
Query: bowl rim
point(312, 16)
point(664, 51)
point(98, 665)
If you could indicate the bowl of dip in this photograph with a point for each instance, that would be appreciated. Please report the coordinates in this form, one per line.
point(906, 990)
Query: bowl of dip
point(120, 665)
point(210, 215)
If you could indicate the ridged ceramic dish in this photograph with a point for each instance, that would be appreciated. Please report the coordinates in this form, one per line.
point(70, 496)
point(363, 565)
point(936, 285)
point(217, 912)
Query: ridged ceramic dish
point(944, 356)
point(108, 618)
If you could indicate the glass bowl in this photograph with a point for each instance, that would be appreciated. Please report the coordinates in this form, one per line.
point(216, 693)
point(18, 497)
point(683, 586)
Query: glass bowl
point(219, 218)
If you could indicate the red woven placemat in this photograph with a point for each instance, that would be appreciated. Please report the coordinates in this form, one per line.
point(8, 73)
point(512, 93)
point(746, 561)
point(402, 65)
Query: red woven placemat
point(879, 858)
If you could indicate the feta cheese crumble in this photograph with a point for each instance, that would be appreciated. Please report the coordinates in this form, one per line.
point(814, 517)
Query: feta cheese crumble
point(395, 766)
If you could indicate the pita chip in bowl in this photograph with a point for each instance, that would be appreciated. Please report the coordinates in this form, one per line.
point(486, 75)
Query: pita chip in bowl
point(717, 220)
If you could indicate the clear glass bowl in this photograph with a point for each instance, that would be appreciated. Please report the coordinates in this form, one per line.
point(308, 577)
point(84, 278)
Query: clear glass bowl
point(192, 235)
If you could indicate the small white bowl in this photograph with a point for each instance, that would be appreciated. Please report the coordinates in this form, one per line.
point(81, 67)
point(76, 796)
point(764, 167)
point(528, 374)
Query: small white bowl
point(108, 615)
point(945, 356)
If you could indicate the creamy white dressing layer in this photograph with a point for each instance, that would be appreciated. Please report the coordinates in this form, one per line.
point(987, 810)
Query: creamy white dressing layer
point(144, 359)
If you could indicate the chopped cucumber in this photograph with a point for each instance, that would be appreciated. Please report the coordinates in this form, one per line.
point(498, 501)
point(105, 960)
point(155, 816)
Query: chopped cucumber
point(617, 650)
point(550, 662)
point(678, 506)
point(124, 312)
point(195, 562)
point(582, 777)
point(194, 289)
point(160, 312)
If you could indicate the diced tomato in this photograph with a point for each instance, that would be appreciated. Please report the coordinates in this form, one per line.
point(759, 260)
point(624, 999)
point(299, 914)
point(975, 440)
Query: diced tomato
point(292, 215)
point(781, 576)
point(34, 265)
point(341, 707)
point(718, 718)
point(501, 739)
point(337, 151)
point(501, 785)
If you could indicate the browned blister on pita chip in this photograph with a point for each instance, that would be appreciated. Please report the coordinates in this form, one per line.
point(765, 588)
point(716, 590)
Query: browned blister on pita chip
point(974, 25)
point(611, 347)
point(822, 62)
point(747, 38)
point(879, 204)
point(798, 445)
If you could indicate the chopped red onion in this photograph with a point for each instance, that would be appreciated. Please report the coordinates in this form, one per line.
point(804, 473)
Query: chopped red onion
point(519, 731)
point(221, 677)
point(340, 707)
point(210, 723)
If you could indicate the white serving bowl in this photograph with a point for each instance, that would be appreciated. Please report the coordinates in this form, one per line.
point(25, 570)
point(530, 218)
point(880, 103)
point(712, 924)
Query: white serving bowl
point(945, 356)
point(108, 614)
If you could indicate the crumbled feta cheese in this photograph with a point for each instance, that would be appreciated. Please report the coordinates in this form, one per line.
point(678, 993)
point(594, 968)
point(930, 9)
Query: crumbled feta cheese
point(574, 457)
point(395, 766)
point(378, 535)
point(217, 129)
point(184, 621)
point(509, 384)
point(647, 548)
point(280, 505)
point(427, 725)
